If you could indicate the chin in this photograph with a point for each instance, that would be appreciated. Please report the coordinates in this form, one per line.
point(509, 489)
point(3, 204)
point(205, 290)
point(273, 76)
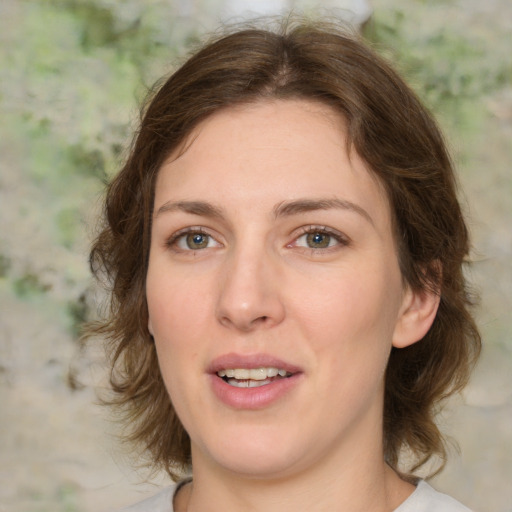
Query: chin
point(261, 466)
point(254, 455)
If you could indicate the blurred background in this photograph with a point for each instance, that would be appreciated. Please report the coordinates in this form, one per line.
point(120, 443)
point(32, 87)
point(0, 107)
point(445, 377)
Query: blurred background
point(72, 74)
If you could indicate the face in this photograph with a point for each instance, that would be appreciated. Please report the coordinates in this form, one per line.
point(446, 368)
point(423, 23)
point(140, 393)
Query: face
point(274, 290)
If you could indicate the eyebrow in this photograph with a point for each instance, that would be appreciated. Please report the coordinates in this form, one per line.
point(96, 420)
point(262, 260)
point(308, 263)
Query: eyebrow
point(289, 208)
point(201, 208)
point(284, 209)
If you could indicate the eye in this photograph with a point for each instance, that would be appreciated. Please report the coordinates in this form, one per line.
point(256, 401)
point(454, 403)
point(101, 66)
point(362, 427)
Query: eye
point(192, 240)
point(319, 238)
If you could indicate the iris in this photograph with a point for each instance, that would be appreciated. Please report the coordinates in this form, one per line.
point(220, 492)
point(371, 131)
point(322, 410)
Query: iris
point(197, 240)
point(318, 240)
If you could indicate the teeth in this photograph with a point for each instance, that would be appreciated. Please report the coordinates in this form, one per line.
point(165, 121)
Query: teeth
point(242, 374)
point(252, 374)
point(248, 383)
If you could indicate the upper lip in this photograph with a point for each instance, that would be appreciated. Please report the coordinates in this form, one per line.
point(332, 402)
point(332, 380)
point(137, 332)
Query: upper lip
point(233, 360)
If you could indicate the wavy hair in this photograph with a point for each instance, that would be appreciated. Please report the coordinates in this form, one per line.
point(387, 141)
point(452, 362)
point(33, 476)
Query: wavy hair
point(390, 130)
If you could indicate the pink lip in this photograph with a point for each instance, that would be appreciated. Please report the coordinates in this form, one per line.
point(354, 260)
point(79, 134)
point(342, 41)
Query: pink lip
point(252, 398)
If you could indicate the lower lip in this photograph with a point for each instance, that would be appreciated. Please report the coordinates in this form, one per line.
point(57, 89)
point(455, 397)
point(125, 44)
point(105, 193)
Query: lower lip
point(253, 398)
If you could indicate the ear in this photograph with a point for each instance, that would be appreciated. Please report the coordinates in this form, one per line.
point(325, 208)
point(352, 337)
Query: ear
point(417, 314)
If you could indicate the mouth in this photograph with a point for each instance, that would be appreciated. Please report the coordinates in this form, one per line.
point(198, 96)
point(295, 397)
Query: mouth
point(253, 381)
point(252, 377)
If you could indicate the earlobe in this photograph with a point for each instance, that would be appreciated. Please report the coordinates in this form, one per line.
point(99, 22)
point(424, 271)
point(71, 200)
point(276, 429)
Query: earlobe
point(419, 309)
point(150, 326)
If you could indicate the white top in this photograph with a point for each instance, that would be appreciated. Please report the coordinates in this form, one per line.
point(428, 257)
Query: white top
point(423, 499)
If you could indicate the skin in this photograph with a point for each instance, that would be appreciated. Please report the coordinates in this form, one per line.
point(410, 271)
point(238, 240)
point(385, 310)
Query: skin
point(260, 285)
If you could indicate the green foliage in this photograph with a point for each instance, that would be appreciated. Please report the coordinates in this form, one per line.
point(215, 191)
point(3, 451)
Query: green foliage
point(29, 285)
point(68, 225)
point(78, 312)
point(87, 162)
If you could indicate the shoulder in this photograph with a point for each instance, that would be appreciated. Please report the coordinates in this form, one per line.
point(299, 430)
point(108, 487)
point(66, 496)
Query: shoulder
point(427, 499)
point(160, 502)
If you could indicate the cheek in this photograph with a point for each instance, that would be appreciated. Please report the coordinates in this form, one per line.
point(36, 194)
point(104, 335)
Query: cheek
point(175, 302)
point(178, 315)
point(348, 303)
point(350, 322)
point(176, 312)
point(176, 337)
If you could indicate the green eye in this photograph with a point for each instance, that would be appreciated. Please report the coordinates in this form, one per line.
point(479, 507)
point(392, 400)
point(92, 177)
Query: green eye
point(196, 241)
point(317, 240)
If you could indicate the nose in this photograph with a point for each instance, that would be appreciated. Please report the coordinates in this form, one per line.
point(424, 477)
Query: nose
point(249, 296)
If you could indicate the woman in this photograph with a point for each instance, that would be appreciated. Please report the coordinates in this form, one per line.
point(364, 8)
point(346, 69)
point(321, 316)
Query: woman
point(285, 248)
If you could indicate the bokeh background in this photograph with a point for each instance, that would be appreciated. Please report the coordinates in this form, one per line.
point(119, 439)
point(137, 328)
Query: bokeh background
point(72, 74)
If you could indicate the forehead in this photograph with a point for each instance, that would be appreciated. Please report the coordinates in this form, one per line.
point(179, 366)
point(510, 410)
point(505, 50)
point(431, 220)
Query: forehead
point(270, 151)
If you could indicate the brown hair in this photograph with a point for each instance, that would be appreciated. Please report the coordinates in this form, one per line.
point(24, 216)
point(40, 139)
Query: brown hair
point(400, 142)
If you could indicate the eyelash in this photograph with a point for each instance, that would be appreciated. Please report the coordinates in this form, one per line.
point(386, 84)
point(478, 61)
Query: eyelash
point(342, 240)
